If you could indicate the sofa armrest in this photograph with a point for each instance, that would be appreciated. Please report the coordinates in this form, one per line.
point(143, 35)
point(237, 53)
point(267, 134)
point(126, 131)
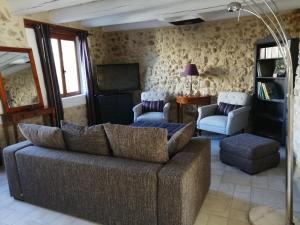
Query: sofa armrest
point(205, 111)
point(183, 184)
point(12, 169)
point(166, 111)
point(237, 120)
point(137, 111)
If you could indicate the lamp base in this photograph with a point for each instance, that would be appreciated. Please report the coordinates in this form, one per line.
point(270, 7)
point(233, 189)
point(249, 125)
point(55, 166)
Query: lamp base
point(263, 215)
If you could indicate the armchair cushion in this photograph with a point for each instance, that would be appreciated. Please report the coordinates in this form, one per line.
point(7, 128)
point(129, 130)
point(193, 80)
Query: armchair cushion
point(204, 111)
point(215, 123)
point(151, 117)
point(152, 106)
point(224, 108)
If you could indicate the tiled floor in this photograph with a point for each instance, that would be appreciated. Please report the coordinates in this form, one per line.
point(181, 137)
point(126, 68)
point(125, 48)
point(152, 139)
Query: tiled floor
point(231, 195)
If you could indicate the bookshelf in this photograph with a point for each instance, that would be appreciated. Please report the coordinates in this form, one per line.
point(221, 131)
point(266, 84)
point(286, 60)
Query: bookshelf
point(269, 112)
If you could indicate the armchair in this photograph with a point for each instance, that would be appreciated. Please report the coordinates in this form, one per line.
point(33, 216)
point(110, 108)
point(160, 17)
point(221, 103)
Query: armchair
point(152, 116)
point(235, 121)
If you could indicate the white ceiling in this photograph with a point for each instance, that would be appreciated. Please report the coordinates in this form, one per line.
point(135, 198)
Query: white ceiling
point(130, 14)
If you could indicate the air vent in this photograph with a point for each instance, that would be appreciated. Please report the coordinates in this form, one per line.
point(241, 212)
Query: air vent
point(187, 22)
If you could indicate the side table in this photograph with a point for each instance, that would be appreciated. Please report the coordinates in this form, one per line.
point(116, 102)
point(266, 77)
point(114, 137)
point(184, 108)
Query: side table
point(189, 100)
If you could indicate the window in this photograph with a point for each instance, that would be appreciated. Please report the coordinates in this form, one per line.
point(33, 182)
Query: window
point(65, 58)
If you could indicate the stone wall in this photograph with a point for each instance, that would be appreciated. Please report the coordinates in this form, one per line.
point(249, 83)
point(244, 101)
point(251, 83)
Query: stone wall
point(222, 50)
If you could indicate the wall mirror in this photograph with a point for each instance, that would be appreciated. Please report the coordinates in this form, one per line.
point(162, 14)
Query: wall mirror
point(19, 84)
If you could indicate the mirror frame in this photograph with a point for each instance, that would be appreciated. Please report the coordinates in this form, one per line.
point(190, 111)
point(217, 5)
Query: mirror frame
point(5, 104)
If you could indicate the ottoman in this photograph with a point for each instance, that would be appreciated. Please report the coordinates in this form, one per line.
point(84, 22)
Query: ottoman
point(250, 153)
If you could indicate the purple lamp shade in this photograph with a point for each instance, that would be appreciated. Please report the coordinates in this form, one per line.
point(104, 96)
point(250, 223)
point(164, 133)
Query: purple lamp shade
point(191, 70)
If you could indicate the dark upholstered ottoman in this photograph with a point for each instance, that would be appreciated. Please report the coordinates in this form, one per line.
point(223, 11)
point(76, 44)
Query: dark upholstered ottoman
point(250, 153)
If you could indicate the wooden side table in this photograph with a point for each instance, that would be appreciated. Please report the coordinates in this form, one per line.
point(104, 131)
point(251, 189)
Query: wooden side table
point(189, 100)
point(13, 118)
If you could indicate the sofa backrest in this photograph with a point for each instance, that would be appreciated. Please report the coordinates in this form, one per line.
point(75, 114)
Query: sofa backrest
point(155, 96)
point(235, 98)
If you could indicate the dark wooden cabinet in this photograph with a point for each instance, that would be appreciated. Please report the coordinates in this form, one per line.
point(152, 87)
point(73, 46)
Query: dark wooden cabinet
point(114, 108)
point(269, 110)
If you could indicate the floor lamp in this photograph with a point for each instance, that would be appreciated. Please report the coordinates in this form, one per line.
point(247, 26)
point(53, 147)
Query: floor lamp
point(265, 11)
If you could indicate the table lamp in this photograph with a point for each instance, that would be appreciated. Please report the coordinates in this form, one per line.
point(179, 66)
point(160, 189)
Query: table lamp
point(191, 70)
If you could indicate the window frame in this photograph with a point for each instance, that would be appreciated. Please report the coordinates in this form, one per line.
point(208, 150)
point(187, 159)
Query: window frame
point(67, 37)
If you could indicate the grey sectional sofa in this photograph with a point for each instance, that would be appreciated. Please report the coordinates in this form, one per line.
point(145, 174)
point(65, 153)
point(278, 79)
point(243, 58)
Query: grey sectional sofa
point(110, 190)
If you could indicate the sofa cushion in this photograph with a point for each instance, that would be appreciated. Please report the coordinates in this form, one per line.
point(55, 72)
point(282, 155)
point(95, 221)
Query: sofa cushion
point(85, 139)
point(225, 108)
point(139, 143)
point(152, 106)
point(152, 117)
point(181, 138)
point(50, 137)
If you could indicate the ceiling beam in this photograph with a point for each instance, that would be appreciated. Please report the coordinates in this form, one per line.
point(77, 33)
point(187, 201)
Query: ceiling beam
point(25, 7)
point(190, 7)
point(104, 8)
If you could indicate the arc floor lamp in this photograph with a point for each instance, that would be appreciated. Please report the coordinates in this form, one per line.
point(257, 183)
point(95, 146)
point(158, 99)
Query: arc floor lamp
point(266, 12)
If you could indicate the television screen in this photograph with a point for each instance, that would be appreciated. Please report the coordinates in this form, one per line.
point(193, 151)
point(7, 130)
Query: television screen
point(118, 77)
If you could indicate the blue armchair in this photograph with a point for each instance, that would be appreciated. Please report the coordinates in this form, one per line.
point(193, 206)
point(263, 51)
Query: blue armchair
point(236, 121)
point(152, 116)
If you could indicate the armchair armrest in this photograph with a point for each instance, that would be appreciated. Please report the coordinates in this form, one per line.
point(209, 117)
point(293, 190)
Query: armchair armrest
point(137, 111)
point(183, 183)
point(166, 111)
point(205, 111)
point(237, 120)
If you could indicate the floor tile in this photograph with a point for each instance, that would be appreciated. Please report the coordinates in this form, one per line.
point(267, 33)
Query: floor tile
point(236, 178)
point(268, 197)
point(239, 215)
point(217, 220)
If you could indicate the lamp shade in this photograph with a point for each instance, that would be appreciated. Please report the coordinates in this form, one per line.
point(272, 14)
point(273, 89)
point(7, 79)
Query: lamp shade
point(191, 70)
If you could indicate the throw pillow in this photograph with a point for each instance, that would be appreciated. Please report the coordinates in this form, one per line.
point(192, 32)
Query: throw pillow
point(90, 140)
point(139, 143)
point(49, 137)
point(152, 106)
point(181, 138)
point(225, 108)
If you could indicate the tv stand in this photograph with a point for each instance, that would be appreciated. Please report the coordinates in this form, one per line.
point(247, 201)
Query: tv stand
point(114, 107)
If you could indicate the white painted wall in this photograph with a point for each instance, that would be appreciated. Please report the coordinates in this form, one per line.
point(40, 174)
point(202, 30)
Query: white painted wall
point(32, 44)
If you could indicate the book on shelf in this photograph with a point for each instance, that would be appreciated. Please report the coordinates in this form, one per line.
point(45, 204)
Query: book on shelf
point(274, 52)
point(265, 91)
point(269, 53)
point(268, 91)
point(262, 53)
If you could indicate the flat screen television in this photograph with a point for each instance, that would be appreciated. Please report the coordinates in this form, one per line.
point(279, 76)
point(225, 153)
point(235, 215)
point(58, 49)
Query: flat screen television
point(118, 77)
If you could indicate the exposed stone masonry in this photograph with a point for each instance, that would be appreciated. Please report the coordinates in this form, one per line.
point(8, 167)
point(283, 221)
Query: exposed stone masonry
point(223, 52)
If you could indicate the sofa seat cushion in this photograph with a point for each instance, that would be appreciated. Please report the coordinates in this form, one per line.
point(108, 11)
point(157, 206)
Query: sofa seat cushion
point(249, 146)
point(90, 140)
point(139, 143)
point(152, 116)
point(215, 123)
